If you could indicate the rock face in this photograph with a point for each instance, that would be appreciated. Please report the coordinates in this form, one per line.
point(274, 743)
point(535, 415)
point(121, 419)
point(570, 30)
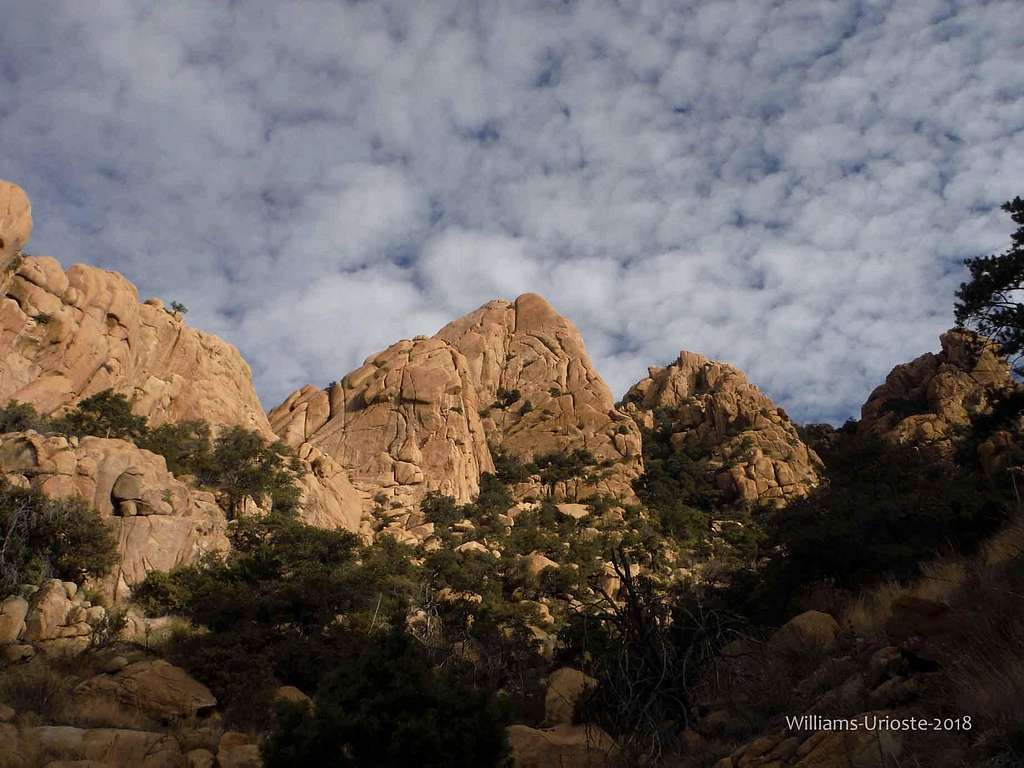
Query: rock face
point(159, 521)
point(571, 746)
point(55, 619)
point(15, 223)
point(404, 423)
point(711, 410)
point(525, 346)
point(66, 335)
point(922, 402)
point(154, 688)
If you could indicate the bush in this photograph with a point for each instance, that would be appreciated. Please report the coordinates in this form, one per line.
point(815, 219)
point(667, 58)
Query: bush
point(185, 446)
point(105, 414)
point(389, 708)
point(20, 417)
point(243, 466)
point(50, 538)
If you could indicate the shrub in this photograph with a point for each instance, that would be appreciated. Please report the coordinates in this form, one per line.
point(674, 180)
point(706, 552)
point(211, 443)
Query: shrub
point(186, 447)
point(50, 538)
point(19, 417)
point(505, 398)
point(389, 708)
point(105, 414)
point(243, 466)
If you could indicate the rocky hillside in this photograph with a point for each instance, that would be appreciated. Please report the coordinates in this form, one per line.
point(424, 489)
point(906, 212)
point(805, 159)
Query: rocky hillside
point(465, 550)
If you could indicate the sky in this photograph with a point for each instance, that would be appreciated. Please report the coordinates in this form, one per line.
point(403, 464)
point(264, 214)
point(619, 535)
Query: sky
point(787, 185)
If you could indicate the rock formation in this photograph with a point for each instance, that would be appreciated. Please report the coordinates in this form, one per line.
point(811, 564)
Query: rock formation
point(159, 521)
point(404, 423)
point(925, 401)
point(15, 223)
point(561, 403)
point(711, 410)
point(66, 335)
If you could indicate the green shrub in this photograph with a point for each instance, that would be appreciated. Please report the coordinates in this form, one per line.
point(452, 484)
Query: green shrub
point(186, 446)
point(50, 538)
point(243, 466)
point(20, 417)
point(105, 414)
point(390, 708)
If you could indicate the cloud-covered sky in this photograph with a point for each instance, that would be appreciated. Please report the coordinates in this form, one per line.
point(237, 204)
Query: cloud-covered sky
point(788, 185)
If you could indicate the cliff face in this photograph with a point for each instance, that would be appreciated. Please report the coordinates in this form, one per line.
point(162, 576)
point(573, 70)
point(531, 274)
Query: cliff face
point(403, 424)
point(710, 410)
point(66, 335)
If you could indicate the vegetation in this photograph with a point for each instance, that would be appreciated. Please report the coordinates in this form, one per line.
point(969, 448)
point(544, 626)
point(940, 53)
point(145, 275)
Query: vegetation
point(990, 302)
point(238, 464)
point(43, 538)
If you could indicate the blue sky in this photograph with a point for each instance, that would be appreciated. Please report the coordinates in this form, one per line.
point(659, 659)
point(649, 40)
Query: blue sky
point(789, 186)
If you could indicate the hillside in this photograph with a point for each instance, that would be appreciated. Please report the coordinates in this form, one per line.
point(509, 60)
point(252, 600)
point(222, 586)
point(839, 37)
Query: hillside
point(465, 551)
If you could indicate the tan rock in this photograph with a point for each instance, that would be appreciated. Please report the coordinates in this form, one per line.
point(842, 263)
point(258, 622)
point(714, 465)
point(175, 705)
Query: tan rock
point(108, 746)
point(535, 563)
point(199, 758)
point(155, 688)
point(568, 746)
point(15, 222)
point(566, 688)
point(173, 523)
point(13, 611)
point(292, 694)
point(752, 449)
point(809, 631)
point(924, 401)
point(403, 424)
point(236, 750)
point(526, 346)
point(47, 612)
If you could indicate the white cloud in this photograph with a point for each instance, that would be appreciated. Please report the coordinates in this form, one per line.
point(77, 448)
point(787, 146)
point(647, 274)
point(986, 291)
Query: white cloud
point(788, 186)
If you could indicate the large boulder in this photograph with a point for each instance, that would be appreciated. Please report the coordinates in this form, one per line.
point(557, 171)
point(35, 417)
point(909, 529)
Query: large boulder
point(13, 611)
point(565, 746)
point(566, 688)
point(159, 522)
point(809, 632)
point(106, 746)
point(563, 404)
point(15, 223)
point(752, 449)
point(155, 688)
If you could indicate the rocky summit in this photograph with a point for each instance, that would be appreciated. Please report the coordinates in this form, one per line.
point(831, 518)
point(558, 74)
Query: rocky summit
point(466, 553)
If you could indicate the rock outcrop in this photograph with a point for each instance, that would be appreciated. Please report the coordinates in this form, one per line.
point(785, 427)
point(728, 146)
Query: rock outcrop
point(404, 423)
point(925, 401)
point(525, 350)
point(66, 335)
point(159, 521)
point(155, 688)
point(15, 223)
point(709, 409)
point(55, 619)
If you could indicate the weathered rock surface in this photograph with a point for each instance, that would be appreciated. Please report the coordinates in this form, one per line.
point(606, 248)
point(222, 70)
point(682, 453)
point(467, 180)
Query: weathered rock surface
point(159, 521)
point(563, 403)
point(808, 632)
point(568, 746)
point(154, 688)
point(106, 746)
point(566, 688)
point(54, 618)
point(711, 410)
point(923, 402)
point(404, 423)
point(15, 223)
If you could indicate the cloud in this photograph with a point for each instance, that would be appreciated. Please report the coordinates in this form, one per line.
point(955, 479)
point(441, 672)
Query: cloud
point(788, 186)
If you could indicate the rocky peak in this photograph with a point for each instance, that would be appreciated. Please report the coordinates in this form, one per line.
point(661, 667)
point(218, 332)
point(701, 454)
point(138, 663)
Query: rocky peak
point(539, 391)
point(710, 410)
point(68, 334)
point(404, 423)
point(922, 401)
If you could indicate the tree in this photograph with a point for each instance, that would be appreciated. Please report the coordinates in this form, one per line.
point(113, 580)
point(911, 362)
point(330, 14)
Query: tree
point(991, 301)
point(105, 414)
point(243, 466)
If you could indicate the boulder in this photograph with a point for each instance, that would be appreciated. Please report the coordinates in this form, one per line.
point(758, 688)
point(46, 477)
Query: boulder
point(13, 611)
point(47, 612)
point(15, 223)
point(236, 750)
point(108, 746)
point(155, 688)
point(566, 688)
point(565, 746)
point(811, 631)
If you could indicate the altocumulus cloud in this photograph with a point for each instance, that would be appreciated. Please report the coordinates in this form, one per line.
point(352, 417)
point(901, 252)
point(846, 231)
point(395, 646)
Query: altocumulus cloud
point(788, 185)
